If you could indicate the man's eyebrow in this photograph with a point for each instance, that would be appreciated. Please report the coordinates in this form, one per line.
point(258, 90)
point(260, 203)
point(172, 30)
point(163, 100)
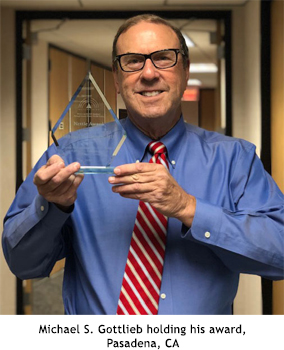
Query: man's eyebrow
point(132, 53)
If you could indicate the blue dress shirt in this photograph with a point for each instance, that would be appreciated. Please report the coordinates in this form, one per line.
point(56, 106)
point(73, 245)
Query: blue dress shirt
point(237, 228)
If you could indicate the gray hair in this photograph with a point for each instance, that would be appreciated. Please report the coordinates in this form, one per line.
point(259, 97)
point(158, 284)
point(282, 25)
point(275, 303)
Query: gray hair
point(151, 19)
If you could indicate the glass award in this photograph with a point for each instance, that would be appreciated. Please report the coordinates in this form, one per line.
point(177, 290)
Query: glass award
point(93, 142)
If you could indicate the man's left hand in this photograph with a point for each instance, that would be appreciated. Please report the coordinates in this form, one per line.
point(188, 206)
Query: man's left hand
point(152, 183)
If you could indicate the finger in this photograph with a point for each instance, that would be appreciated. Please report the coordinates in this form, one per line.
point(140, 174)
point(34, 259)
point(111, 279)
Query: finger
point(68, 198)
point(46, 172)
point(54, 159)
point(152, 173)
point(136, 188)
point(146, 196)
point(66, 193)
point(71, 184)
point(134, 178)
point(133, 168)
point(54, 175)
point(67, 171)
point(61, 191)
point(50, 169)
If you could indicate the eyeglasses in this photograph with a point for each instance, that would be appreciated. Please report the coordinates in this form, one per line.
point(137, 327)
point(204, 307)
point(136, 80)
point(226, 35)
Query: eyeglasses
point(162, 59)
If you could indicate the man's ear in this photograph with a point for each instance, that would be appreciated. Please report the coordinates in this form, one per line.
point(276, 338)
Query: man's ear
point(187, 70)
point(115, 78)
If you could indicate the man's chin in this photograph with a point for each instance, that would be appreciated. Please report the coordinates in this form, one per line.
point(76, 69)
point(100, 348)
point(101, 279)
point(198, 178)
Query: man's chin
point(153, 113)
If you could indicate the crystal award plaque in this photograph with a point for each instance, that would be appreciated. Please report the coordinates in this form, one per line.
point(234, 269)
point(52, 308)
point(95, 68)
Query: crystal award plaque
point(93, 142)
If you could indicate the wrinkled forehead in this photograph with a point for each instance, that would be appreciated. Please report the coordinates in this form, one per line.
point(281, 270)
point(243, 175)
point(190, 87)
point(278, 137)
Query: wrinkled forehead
point(145, 37)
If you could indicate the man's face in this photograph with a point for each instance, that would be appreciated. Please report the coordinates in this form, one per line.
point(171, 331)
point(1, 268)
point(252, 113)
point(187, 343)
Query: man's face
point(151, 94)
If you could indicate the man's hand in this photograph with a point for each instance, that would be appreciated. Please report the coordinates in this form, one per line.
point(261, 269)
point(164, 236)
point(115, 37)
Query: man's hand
point(152, 183)
point(58, 183)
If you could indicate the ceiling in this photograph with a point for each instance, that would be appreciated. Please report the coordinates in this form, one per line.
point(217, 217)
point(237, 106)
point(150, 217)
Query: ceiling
point(93, 38)
point(116, 4)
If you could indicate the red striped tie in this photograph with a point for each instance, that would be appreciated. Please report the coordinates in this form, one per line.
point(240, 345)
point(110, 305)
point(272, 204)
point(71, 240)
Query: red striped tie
point(142, 278)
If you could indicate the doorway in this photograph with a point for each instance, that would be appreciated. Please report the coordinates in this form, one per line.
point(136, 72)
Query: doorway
point(41, 22)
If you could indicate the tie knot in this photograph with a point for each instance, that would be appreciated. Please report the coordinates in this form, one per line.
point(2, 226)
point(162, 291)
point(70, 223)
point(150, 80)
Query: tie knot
point(157, 147)
point(159, 150)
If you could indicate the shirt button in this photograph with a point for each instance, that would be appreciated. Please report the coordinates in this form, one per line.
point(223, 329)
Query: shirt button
point(137, 161)
point(173, 162)
point(42, 208)
point(207, 234)
point(163, 296)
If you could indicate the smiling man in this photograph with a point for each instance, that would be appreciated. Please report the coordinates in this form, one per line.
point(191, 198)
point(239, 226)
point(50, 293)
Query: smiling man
point(184, 214)
point(152, 96)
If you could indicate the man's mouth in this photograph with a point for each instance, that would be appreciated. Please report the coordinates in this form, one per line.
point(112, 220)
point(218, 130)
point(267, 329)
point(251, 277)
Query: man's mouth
point(150, 93)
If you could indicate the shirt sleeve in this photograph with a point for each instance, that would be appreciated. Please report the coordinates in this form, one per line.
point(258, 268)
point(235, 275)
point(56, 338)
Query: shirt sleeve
point(34, 229)
point(250, 238)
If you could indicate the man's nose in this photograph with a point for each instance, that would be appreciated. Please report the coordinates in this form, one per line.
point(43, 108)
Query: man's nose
point(149, 71)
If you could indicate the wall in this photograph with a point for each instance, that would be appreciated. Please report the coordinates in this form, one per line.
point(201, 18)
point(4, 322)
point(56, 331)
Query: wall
point(246, 73)
point(277, 120)
point(8, 129)
point(247, 117)
point(39, 132)
point(7, 148)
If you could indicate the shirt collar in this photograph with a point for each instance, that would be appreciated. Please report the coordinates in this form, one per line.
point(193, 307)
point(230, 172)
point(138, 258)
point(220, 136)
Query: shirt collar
point(137, 141)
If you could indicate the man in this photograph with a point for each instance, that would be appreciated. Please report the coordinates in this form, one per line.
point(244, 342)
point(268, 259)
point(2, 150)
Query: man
point(225, 213)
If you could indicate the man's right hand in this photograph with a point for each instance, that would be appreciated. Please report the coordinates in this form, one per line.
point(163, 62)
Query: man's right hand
point(58, 183)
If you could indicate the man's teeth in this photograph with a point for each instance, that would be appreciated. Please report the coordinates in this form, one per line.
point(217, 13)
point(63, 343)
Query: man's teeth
point(150, 93)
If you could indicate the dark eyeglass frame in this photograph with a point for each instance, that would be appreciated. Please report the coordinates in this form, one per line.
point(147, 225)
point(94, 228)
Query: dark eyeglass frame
point(118, 58)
